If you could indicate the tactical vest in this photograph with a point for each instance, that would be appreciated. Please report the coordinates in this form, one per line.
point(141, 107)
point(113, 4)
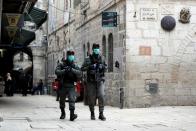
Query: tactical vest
point(95, 74)
point(69, 77)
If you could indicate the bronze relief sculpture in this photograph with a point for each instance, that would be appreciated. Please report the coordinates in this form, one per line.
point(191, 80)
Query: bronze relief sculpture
point(185, 15)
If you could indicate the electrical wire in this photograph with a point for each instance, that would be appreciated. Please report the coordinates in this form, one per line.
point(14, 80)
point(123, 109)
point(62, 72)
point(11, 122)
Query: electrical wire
point(63, 11)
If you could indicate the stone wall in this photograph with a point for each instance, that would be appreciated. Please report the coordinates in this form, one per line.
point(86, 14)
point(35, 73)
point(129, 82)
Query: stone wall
point(84, 29)
point(57, 43)
point(158, 57)
point(90, 31)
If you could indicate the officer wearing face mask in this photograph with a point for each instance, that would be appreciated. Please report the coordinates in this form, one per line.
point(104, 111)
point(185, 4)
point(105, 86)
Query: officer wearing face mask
point(95, 67)
point(68, 72)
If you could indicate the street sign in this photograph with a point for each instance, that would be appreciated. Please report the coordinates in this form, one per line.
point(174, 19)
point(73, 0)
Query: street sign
point(12, 31)
point(109, 19)
point(12, 19)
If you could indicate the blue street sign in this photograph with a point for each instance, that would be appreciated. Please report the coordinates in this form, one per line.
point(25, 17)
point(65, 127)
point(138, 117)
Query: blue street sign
point(109, 19)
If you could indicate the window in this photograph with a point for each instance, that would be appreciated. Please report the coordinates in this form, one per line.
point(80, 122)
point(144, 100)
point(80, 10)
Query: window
point(76, 3)
point(84, 4)
point(104, 46)
point(110, 53)
point(84, 51)
point(66, 4)
point(57, 40)
point(88, 49)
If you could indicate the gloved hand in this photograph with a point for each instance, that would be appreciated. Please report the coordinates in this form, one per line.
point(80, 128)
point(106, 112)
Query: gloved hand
point(67, 68)
point(93, 66)
point(101, 66)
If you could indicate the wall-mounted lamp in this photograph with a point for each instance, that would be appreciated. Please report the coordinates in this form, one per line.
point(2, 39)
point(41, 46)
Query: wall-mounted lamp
point(117, 64)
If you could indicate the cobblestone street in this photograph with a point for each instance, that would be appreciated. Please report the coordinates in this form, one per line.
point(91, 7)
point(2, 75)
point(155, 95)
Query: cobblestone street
point(41, 113)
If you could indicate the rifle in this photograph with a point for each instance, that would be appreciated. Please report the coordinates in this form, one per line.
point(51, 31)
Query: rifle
point(84, 84)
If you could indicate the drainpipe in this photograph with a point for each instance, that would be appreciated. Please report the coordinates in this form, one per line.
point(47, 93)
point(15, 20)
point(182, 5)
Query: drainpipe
point(1, 8)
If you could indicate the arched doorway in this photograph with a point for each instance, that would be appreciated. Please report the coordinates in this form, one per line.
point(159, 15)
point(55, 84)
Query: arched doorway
point(22, 66)
point(110, 52)
point(7, 58)
point(88, 48)
point(104, 46)
point(84, 51)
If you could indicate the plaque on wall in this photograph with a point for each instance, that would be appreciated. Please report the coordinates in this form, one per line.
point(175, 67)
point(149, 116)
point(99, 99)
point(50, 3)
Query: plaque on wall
point(168, 23)
point(145, 51)
point(148, 14)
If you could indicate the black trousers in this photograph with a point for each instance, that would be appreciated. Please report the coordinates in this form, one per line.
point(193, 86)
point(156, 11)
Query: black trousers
point(71, 94)
point(95, 90)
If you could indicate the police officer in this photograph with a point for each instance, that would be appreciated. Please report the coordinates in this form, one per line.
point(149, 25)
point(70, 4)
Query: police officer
point(69, 73)
point(95, 67)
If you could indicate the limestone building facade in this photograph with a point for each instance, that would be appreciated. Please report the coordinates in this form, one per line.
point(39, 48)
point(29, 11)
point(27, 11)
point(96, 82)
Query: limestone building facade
point(81, 30)
point(160, 64)
point(156, 65)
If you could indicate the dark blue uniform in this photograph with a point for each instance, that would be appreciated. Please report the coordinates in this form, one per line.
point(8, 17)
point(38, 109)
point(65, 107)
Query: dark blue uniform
point(68, 73)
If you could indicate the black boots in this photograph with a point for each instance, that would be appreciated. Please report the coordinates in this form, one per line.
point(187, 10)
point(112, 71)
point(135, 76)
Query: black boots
point(92, 115)
point(101, 116)
point(72, 115)
point(62, 113)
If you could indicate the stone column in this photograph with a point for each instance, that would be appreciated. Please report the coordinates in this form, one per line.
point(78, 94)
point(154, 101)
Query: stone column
point(39, 62)
point(1, 7)
point(39, 50)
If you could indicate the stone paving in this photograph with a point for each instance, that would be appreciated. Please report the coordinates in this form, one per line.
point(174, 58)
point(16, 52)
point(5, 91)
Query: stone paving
point(41, 113)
